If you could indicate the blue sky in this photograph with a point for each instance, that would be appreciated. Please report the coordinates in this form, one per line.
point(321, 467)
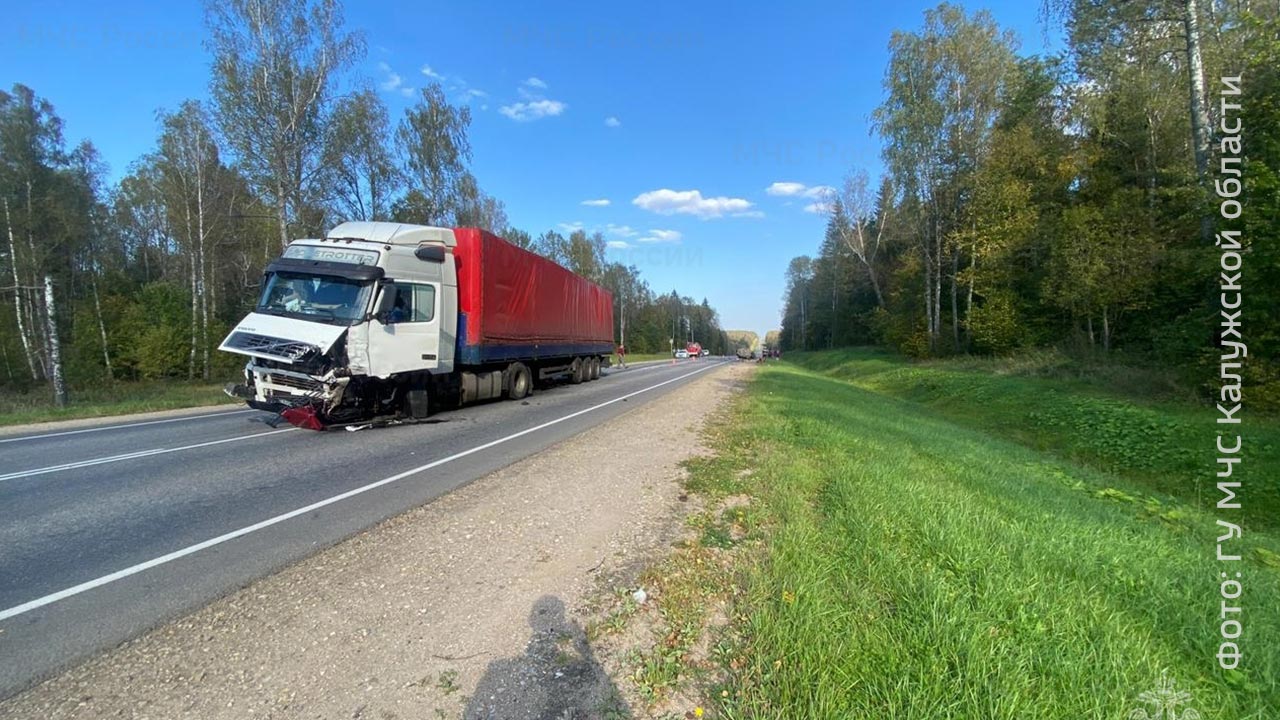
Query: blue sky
point(681, 115)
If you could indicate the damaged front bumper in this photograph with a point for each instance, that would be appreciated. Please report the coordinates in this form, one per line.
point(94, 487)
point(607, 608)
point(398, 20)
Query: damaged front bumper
point(277, 390)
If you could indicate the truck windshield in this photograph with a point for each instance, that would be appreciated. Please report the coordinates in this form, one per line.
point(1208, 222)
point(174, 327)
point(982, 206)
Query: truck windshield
point(322, 298)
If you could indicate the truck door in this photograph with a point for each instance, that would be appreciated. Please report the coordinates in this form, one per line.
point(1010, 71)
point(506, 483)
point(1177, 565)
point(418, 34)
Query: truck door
point(408, 338)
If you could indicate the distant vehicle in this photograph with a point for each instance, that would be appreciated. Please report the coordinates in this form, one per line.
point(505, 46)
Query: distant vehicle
point(682, 353)
point(705, 352)
point(381, 320)
point(694, 349)
point(745, 353)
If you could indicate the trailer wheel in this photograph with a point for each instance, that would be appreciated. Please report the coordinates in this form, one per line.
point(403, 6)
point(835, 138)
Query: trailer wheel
point(595, 368)
point(577, 371)
point(519, 381)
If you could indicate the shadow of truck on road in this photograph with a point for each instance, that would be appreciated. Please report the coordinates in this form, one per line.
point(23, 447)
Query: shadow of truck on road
point(557, 677)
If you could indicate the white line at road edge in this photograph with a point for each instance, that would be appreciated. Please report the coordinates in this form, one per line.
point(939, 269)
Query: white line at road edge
point(191, 549)
point(133, 456)
point(121, 427)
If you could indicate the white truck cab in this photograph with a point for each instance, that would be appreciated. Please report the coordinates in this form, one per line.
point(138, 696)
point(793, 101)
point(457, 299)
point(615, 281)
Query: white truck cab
point(373, 300)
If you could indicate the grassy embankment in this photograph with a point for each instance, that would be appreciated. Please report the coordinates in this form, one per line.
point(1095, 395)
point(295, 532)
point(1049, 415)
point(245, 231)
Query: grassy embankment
point(941, 541)
point(35, 406)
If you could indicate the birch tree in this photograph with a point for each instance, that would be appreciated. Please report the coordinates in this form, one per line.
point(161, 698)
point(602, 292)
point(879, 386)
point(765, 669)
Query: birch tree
point(189, 169)
point(275, 66)
point(360, 170)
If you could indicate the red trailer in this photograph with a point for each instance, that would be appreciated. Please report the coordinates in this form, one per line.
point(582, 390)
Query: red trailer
point(517, 305)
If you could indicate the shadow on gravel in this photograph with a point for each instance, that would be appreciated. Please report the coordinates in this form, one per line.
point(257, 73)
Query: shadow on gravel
point(557, 677)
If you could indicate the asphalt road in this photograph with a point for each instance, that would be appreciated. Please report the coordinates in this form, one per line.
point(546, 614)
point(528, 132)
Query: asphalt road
point(106, 532)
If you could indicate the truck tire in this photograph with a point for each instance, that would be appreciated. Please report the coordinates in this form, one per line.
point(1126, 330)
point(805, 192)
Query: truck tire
point(595, 368)
point(577, 372)
point(519, 381)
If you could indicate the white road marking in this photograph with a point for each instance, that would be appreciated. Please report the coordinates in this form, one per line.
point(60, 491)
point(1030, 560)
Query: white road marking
point(191, 549)
point(121, 427)
point(132, 455)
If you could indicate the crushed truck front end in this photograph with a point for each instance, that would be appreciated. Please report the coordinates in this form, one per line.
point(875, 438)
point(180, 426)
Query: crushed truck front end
point(347, 327)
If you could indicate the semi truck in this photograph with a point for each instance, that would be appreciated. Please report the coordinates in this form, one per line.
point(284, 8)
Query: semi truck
point(387, 322)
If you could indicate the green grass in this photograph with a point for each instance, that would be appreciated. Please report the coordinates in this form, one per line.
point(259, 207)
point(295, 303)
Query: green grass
point(1165, 447)
point(121, 398)
point(919, 565)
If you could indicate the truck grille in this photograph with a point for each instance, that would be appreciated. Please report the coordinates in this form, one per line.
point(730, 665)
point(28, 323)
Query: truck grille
point(293, 381)
point(288, 350)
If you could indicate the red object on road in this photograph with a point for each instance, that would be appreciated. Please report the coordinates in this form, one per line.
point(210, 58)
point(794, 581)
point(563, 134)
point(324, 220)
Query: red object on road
point(303, 417)
point(510, 298)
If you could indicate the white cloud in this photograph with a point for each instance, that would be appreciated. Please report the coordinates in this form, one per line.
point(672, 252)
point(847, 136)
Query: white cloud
point(602, 202)
point(785, 189)
point(533, 110)
point(571, 227)
point(661, 237)
point(391, 80)
point(612, 121)
point(426, 70)
point(818, 208)
point(535, 82)
point(618, 244)
point(473, 92)
point(691, 202)
point(621, 230)
point(795, 189)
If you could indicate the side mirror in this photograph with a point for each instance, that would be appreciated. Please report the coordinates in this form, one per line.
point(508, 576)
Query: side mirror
point(386, 303)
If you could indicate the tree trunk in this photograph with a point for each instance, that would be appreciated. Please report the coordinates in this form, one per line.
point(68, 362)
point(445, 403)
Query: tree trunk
point(928, 294)
point(1199, 107)
point(968, 302)
point(1106, 331)
point(282, 206)
point(33, 304)
point(875, 285)
point(202, 272)
point(55, 347)
point(955, 304)
point(1199, 103)
point(102, 329)
point(17, 297)
point(937, 284)
point(1089, 325)
point(195, 302)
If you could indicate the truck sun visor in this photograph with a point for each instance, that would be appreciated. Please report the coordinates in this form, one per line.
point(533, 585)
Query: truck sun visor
point(325, 267)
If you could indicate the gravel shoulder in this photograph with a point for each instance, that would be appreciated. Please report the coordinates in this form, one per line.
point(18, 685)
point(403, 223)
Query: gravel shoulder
point(471, 606)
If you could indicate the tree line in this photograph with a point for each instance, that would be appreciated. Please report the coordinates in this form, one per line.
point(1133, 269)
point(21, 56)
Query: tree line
point(141, 278)
point(1064, 200)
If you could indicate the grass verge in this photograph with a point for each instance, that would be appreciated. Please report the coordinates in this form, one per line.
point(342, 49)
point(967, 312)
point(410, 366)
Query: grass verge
point(1162, 447)
point(19, 408)
point(918, 565)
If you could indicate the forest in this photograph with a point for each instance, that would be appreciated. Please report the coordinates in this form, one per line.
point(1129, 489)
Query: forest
point(111, 281)
point(1067, 202)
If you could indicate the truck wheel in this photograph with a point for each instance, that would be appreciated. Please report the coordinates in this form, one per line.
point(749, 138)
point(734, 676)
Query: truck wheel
point(577, 372)
point(595, 368)
point(519, 381)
